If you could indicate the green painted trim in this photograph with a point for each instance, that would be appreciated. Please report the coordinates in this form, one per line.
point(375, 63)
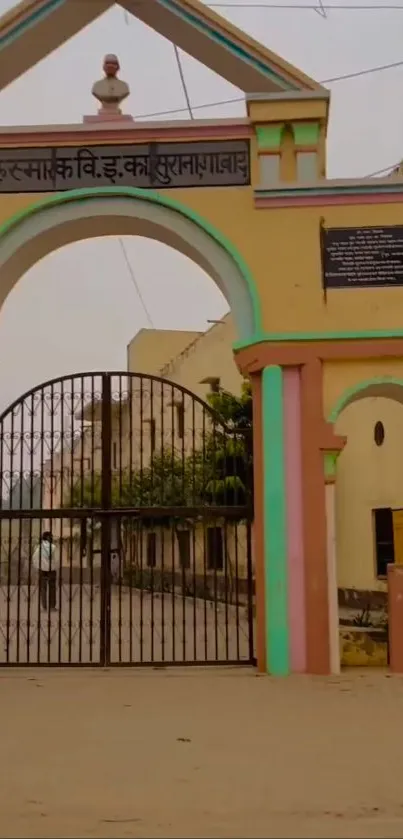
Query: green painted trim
point(349, 188)
point(306, 133)
point(351, 392)
point(269, 136)
point(242, 53)
point(275, 537)
point(304, 337)
point(21, 27)
point(154, 198)
point(330, 460)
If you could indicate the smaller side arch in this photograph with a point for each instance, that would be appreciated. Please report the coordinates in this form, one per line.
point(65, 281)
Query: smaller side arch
point(387, 387)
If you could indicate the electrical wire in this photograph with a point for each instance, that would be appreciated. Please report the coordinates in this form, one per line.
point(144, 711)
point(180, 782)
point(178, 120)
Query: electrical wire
point(320, 10)
point(333, 80)
point(183, 82)
point(378, 69)
point(190, 108)
point(323, 7)
point(134, 281)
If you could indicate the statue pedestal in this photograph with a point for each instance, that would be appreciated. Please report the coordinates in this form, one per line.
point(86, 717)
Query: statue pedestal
point(107, 116)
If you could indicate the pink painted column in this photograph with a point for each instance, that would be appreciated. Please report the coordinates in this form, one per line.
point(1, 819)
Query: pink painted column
point(295, 541)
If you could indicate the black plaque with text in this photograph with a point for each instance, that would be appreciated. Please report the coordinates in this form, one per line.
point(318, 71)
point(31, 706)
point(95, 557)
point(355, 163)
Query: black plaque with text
point(148, 166)
point(362, 257)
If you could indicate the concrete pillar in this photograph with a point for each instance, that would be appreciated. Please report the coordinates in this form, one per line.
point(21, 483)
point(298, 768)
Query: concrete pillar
point(395, 605)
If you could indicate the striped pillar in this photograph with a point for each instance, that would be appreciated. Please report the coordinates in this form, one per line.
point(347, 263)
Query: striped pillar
point(294, 519)
point(275, 523)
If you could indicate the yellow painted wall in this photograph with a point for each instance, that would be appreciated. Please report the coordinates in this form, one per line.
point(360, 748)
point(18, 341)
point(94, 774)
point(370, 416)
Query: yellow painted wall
point(150, 349)
point(211, 355)
point(368, 476)
point(188, 357)
point(281, 248)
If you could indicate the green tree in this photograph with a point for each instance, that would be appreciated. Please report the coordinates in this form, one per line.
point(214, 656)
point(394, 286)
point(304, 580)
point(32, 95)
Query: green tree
point(217, 472)
point(236, 411)
point(231, 447)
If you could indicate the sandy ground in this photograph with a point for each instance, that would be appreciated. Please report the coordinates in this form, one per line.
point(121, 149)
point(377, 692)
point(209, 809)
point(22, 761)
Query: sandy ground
point(199, 753)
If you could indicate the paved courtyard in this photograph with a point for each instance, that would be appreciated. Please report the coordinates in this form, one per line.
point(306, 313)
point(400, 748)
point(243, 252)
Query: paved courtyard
point(144, 627)
point(199, 753)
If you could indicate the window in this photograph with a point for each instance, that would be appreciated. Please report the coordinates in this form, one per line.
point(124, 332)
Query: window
point(184, 548)
point(269, 169)
point(307, 166)
point(151, 550)
point(152, 435)
point(379, 433)
point(215, 550)
point(180, 420)
point(114, 455)
point(384, 545)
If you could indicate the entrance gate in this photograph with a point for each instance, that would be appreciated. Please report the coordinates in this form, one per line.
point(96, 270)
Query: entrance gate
point(147, 495)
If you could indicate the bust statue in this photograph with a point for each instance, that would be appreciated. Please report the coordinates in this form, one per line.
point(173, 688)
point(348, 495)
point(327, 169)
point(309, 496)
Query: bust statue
point(110, 91)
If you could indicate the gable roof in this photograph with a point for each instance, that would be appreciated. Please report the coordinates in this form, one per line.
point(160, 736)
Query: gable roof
point(35, 28)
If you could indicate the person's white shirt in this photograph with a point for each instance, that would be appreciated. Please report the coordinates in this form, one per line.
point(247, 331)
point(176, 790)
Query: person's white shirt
point(44, 556)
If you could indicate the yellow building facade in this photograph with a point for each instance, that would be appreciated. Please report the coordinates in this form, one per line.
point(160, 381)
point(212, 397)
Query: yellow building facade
point(369, 475)
point(312, 270)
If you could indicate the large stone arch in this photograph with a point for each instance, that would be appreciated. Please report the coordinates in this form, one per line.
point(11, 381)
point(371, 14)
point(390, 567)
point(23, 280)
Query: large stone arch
point(81, 214)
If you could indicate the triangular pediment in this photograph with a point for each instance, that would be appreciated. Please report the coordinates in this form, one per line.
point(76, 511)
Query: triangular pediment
point(35, 28)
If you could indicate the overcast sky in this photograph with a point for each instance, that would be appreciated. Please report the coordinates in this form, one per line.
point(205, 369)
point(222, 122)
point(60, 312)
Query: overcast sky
point(78, 308)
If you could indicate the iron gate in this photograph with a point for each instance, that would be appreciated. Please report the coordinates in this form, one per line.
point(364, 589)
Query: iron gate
point(147, 496)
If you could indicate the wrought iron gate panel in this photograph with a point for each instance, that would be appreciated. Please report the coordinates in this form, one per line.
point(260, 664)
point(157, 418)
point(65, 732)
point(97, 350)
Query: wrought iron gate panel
point(147, 494)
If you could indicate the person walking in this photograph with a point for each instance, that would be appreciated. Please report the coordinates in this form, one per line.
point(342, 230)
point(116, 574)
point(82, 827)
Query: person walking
point(44, 562)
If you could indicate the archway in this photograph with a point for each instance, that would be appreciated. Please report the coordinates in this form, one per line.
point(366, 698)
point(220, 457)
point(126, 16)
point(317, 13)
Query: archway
point(387, 387)
point(84, 214)
point(366, 521)
point(24, 240)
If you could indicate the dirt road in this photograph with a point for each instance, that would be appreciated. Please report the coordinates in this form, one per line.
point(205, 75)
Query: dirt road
point(199, 753)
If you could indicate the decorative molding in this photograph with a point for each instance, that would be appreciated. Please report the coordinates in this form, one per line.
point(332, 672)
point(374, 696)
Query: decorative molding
point(368, 387)
point(306, 133)
point(289, 96)
point(311, 337)
point(269, 136)
point(37, 136)
point(328, 193)
point(330, 460)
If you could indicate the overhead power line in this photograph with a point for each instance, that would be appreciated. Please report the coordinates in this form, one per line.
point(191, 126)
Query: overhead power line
point(378, 69)
point(344, 77)
point(134, 281)
point(321, 8)
point(183, 82)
